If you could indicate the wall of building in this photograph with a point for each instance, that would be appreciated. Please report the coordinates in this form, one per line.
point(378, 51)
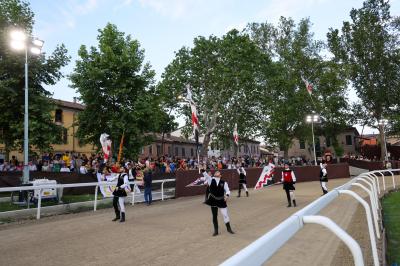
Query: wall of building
point(182, 150)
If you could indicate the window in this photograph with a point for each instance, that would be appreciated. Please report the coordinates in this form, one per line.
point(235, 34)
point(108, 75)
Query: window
point(349, 140)
point(328, 142)
point(158, 150)
point(191, 152)
point(302, 144)
point(183, 152)
point(65, 136)
point(58, 116)
point(150, 150)
point(176, 151)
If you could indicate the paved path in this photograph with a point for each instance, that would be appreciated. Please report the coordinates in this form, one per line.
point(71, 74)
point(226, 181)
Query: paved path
point(173, 232)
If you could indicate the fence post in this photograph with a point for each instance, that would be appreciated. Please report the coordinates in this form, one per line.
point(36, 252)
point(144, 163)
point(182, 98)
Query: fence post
point(370, 182)
point(378, 235)
point(394, 185)
point(95, 198)
point(369, 221)
point(39, 204)
point(383, 181)
point(339, 232)
point(162, 190)
point(377, 182)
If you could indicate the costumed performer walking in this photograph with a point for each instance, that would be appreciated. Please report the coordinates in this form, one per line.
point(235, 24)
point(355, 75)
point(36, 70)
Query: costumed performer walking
point(288, 180)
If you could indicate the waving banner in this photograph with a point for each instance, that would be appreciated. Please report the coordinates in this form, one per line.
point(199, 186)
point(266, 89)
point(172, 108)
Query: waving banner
point(106, 146)
point(266, 177)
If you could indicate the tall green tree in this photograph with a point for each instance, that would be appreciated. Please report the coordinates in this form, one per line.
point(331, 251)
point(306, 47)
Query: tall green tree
point(43, 70)
point(117, 89)
point(226, 75)
point(295, 53)
point(368, 47)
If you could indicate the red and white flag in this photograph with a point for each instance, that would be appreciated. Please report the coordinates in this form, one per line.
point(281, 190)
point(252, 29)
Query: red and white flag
point(309, 86)
point(266, 174)
point(106, 146)
point(195, 118)
point(236, 135)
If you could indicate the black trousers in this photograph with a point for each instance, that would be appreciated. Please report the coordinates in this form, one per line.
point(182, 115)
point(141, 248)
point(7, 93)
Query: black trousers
point(288, 195)
point(214, 211)
point(115, 204)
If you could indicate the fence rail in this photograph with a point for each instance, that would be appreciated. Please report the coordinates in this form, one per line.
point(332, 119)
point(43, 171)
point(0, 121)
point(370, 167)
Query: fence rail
point(74, 185)
point(263, 248)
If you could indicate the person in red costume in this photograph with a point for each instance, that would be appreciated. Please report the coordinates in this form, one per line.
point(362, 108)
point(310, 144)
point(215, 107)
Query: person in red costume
point(288, 180)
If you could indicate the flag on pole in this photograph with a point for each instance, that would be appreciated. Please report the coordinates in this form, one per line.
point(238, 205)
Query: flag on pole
point(266, 175)
point(309, 86)
point(121, 146)
point(195, 118)
point(106, 146)
point(236, 135)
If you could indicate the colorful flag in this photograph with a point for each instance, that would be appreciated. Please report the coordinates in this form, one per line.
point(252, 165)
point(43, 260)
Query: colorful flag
point(121, 146)
point(197, 182)
point(266, 175)
point(235, 135)
point(309, 86)
point(195, 119)
point(106, 146)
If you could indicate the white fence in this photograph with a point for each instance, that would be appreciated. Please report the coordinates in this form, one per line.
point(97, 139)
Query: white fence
point(263, 248)
point(74, 185)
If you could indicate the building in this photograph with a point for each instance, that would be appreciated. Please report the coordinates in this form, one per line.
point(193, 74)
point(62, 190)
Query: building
point(169, 145)
point(65, 115)
point(349, 140)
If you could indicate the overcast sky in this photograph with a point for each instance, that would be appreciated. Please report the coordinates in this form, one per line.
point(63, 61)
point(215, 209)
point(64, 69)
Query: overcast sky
point(164, 26)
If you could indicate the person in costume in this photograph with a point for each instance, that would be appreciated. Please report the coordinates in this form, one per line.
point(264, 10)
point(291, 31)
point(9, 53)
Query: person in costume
point(217, 197)
point(323, 177)
point(120, 194)
point(288, 180)
point(242, 180)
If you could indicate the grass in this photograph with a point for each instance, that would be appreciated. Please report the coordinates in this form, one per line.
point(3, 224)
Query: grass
point(391, 218)
point(9, 206)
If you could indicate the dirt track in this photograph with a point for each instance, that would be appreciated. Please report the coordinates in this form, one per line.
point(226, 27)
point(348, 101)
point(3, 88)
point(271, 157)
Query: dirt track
point(175, 232)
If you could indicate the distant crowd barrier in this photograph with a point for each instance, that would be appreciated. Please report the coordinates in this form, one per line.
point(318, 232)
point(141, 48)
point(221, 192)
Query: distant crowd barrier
point(303, 174)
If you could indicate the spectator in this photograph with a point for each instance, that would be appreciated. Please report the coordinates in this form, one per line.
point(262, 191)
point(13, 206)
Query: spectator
point(20, 167)
point(46, 167)
point(83, 169)
point(32, 167)
point(148, 179)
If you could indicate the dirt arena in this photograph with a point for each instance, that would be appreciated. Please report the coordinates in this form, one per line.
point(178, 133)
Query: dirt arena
point(176, 232)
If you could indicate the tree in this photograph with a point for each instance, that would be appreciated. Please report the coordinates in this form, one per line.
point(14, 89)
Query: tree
point(368, 48)
point(286, 102)
point(116, 87)
point(226, 76)
point(42, 71)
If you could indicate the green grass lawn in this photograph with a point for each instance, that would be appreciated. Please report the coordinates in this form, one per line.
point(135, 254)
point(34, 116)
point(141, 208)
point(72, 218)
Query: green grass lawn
point(391, 218)
point(8, 206)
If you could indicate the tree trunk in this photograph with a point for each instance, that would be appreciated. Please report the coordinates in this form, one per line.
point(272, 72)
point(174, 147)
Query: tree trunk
point(235, 149)
point(206, 142)
point(382, 141)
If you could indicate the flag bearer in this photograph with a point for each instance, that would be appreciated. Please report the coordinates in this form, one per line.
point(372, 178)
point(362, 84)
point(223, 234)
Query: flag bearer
point(288, 180)
point(120, 194)
point(323, 177)
point(218, 195)
point(242, 180)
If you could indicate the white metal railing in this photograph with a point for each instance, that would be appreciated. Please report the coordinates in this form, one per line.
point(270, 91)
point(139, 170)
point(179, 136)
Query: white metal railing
point(264, 247)
point(75, 185)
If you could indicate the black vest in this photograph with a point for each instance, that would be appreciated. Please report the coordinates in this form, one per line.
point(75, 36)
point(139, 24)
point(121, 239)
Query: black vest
point(217, 190)
point(121, 179)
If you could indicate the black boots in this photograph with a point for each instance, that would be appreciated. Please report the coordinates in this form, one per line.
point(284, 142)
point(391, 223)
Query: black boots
point(247, 193)
point(228, 228)
point(289, 204)
point(117, 216)
point(122, 217)
point(294, 203)
point(215, 230)
point(238, 193)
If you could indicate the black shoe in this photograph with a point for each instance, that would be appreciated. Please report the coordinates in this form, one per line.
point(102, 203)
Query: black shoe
point(294, 203)
point(289, 205)
point(228, 228)
point(116, 219)
point(122, 217)
point(247, 193)
point(215, 233)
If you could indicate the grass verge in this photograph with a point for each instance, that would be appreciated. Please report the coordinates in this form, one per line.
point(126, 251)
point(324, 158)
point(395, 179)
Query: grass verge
point(391, 219)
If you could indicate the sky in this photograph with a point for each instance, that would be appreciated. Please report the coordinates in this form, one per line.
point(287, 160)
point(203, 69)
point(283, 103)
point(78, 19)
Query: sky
point(164, 26)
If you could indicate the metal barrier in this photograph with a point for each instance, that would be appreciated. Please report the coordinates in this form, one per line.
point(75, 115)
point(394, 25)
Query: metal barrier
point(92, 184)
point(264, 247)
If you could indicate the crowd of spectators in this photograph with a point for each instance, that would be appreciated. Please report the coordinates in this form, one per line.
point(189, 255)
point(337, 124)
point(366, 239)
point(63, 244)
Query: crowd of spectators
point(84, 164)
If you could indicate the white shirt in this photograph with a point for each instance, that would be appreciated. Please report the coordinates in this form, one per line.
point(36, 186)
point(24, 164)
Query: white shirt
point(206, 177)
point(241, 170)
point(83, 170)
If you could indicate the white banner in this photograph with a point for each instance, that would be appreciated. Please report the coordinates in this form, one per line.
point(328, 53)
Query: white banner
point(266, 175)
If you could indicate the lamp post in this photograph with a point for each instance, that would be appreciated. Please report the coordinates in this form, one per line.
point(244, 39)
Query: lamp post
point(383, 123)
point(20, 41)
point(314, 118)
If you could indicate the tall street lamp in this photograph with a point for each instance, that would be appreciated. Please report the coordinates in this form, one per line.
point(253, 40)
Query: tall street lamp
point(20, 41)
point(383, 123)
point(314, 118)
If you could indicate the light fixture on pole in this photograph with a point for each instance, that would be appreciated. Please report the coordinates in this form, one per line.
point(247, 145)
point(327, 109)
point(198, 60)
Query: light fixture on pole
point(314, 118)
point(383, 123)
point(20, 41)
